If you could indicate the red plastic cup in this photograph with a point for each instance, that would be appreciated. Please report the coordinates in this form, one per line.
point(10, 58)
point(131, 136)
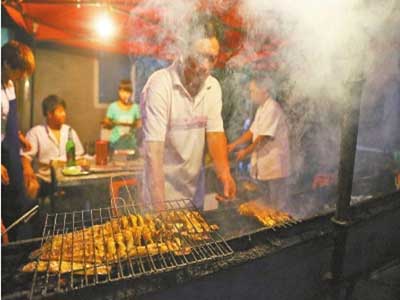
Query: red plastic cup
point(101, 152)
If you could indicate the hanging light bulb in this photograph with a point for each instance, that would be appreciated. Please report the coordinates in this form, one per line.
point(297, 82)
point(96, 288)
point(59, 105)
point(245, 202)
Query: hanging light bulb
point(104, 26)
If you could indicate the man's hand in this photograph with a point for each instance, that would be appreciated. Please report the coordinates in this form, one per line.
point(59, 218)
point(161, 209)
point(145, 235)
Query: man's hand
point(241, 154)
point(231, 147)
point(229, 189)
point(217, 147)
point(25, 144)
point(32, 187)
point(5, 179)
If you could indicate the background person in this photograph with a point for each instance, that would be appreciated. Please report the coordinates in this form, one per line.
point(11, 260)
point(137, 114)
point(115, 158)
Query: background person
point(17, 63)
point(269, 148)
point(48, 141)
point(123, 118)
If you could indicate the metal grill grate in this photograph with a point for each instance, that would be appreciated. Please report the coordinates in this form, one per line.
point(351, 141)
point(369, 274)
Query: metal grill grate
point(86, 248)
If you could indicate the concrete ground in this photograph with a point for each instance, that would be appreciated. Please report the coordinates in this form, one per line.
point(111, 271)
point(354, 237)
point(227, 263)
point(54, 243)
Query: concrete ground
point(383, 284)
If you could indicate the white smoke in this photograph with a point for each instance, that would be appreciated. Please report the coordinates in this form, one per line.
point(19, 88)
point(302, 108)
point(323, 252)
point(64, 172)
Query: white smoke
point(326, 43)
point(317, 46)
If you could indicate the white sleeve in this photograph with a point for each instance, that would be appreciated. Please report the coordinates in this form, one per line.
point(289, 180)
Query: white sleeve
point(33, 139)
point(154, 111)
point(268, 123)
point(78, 145)
point(214, 120)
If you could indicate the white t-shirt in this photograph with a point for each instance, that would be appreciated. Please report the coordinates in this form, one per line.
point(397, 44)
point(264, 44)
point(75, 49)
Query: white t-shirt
point(45, 147)
point(271, 160)
point(7, 95)
point(172, 116)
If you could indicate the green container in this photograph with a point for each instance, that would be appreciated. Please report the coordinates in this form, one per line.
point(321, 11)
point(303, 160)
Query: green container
point(70, 150)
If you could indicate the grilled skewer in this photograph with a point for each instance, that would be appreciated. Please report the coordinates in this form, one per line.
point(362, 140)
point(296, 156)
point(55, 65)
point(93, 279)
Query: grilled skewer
point(268, 216)
point(118, 239)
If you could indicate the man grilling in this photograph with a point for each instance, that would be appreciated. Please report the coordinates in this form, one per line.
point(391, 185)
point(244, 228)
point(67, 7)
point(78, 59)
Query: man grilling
point(181, 110)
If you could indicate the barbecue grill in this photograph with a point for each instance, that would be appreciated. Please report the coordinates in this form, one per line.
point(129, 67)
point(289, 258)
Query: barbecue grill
point(264, 255)
point(60, 225)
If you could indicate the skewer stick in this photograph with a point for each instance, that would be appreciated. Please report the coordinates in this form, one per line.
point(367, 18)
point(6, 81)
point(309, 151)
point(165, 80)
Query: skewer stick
point(25, 216)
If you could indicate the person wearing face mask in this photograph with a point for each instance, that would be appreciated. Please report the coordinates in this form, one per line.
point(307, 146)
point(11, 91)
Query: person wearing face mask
point(181, 110)
point(123, 118)
point(269, 148)
point(49, 140)
point(18, 187)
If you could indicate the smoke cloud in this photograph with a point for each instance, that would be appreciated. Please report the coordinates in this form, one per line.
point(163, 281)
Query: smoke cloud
point(314, 48)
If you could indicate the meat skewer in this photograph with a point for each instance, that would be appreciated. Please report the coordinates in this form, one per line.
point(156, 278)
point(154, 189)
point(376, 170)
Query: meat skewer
point(129, 236)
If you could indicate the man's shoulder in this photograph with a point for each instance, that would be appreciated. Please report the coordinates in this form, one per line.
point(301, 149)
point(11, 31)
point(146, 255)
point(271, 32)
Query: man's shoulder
point(65, 127)
point(161, 76)
point(37, 129)
point(274, 104)
point(213, 82)
point(271, 106)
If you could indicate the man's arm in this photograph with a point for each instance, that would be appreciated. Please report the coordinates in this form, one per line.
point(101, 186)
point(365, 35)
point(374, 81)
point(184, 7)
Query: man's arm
point(5, 179)
point(31, 183)
point(154, 113)
point(258, 142)
point(154, 160)
point(217, 147)
point(244, 138)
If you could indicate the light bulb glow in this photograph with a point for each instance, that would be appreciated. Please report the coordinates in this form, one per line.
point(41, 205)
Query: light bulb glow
point(104, 26)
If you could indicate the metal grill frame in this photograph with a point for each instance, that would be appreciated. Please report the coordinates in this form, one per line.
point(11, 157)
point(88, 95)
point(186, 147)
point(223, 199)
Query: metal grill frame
point(47, 283)
point(234, 225)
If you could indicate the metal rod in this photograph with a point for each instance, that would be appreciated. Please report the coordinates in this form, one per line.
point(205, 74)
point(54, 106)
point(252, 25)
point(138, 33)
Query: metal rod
point(105, 244)
point(53, 233)
point(72, 251)
point(349, 130)
point(120, 272)
point(119, 222)
point(22, 218)
point(139, 258)
point(84, 247)
point(61, 255)
point(94, 247)
point(141, 264)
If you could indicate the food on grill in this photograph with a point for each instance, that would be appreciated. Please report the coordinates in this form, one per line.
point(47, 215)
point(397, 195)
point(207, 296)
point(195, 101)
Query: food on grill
point(93, 249)
point(66, 267)
point(249, 186)
point(268, 216)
